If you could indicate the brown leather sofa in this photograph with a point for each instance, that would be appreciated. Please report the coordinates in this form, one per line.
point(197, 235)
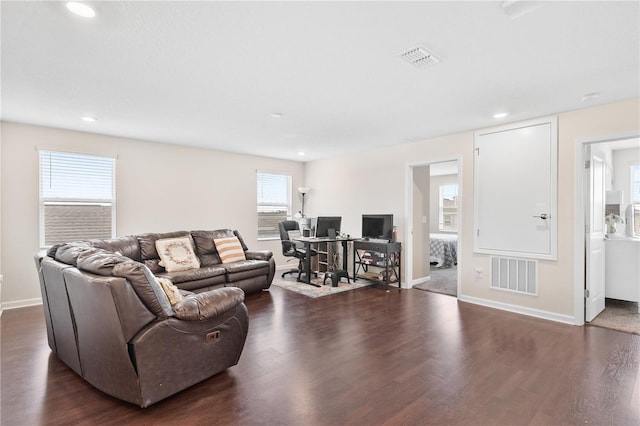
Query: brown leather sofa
point(109, 320)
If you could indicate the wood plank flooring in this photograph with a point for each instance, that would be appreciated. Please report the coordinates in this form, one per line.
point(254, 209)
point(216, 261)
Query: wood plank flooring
point(364, 357)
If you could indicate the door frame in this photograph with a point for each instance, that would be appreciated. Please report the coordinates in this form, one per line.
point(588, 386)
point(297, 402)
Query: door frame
point(579, 246)
point(408, 250)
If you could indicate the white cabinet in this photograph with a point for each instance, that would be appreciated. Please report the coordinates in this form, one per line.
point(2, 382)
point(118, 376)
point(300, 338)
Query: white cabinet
point(515, 189)
point(622, 276)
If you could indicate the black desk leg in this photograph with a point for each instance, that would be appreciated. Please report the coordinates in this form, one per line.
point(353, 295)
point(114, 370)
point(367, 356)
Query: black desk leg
point(307, 266)
point(345, 260)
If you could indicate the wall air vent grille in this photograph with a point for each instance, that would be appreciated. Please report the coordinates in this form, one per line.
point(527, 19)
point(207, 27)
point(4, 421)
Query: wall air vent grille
point(420, 57)
point(517, 275)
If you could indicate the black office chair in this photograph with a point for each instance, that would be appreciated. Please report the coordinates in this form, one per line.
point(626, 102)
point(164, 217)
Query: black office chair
point(293, 248)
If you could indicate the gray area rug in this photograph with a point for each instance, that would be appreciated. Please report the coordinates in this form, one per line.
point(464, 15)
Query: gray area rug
point(443, 280)
point(290, 283)
point(619, 315)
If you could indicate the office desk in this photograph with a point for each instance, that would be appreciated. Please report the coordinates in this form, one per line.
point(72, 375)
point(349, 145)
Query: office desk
point(309, 241)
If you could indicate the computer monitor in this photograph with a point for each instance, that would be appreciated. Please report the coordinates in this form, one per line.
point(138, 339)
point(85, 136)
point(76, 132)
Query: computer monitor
point(378, 226)
point(325, 223)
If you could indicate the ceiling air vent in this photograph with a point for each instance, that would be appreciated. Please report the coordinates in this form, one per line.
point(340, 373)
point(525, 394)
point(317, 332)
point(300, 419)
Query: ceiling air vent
point(420, 57)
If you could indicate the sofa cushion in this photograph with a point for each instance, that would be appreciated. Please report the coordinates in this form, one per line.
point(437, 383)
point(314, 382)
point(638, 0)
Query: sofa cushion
point(146, 287)
point(68, 253)
point(194, 274)
point(154, 265)
point(177, 254)
point(229, 249)
point(51, 252)
point(126, 246)
point(210, 304)
point(99, 261)
point(258, 254)
point(205, 247)
point(245, 265)
point(148, 243)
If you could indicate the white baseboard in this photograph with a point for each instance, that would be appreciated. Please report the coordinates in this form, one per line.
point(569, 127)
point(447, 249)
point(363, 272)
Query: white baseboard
point(21, 303)
point(566, 319)
point(420, 281)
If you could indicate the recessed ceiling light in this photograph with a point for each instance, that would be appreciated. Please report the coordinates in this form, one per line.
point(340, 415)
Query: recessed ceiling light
point(500, 115)
point(80, 9)
point(301, 153)
point(277, 115)
point(88, 119)
point(590, 96)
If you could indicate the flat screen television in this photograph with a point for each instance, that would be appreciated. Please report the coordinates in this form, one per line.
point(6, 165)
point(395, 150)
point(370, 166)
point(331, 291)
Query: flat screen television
point(378, 226)
point(325, 223)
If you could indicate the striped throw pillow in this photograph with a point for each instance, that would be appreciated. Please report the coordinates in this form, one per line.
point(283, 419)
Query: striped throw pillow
point(229, 249)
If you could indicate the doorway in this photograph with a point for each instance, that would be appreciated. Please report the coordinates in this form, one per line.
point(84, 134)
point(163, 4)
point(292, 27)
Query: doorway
point(433, 206)
point(611, 285)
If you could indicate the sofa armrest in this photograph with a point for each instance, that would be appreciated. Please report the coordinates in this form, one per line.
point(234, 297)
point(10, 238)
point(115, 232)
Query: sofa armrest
point(258, 254)
point(209, 304)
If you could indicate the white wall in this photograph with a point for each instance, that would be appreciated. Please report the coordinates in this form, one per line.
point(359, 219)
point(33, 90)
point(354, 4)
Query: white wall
point(165, 187)
point(374, 181)
point(159, 187)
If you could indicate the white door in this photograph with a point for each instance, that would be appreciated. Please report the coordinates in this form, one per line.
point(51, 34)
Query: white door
point(595, 234)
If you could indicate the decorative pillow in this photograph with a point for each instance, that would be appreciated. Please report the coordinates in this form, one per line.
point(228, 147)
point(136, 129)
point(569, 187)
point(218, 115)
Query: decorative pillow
point(229, 249)
point(177, 254)
point(172, 292)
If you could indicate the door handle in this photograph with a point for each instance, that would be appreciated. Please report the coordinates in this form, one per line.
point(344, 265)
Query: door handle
point(543, 216)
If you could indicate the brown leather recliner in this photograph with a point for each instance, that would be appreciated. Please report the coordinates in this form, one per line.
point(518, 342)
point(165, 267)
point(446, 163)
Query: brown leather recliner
point(110, 321)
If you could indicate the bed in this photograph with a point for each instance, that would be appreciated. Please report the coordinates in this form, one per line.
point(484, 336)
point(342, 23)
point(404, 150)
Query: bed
point(443, 250)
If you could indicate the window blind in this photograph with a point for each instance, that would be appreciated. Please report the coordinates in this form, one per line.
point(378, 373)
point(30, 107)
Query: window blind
point(77, 198)
point(274, 202)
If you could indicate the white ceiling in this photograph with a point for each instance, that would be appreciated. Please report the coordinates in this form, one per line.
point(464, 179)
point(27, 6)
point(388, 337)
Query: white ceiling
point(211, 74)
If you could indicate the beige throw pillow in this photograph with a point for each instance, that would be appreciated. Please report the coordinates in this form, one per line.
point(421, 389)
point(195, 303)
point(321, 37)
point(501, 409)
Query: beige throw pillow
point(229, 249)
point(177, 254)
point(172, 292)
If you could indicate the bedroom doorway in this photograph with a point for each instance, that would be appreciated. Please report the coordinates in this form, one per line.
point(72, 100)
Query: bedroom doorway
point(611, 278)
point(433, 218)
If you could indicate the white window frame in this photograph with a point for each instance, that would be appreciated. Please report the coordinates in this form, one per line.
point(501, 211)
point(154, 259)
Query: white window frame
point(633, 199)
point(286, 204)
point(441, 224)
point(70, 200)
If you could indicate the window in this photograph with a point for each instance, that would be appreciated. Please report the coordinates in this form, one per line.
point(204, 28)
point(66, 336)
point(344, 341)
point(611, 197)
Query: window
point(448, 220)
point(274, 203)
point(635, 183)
point(77, 197)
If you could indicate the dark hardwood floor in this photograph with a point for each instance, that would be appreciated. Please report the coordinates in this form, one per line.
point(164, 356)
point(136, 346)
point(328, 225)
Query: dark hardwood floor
point(365, 357)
